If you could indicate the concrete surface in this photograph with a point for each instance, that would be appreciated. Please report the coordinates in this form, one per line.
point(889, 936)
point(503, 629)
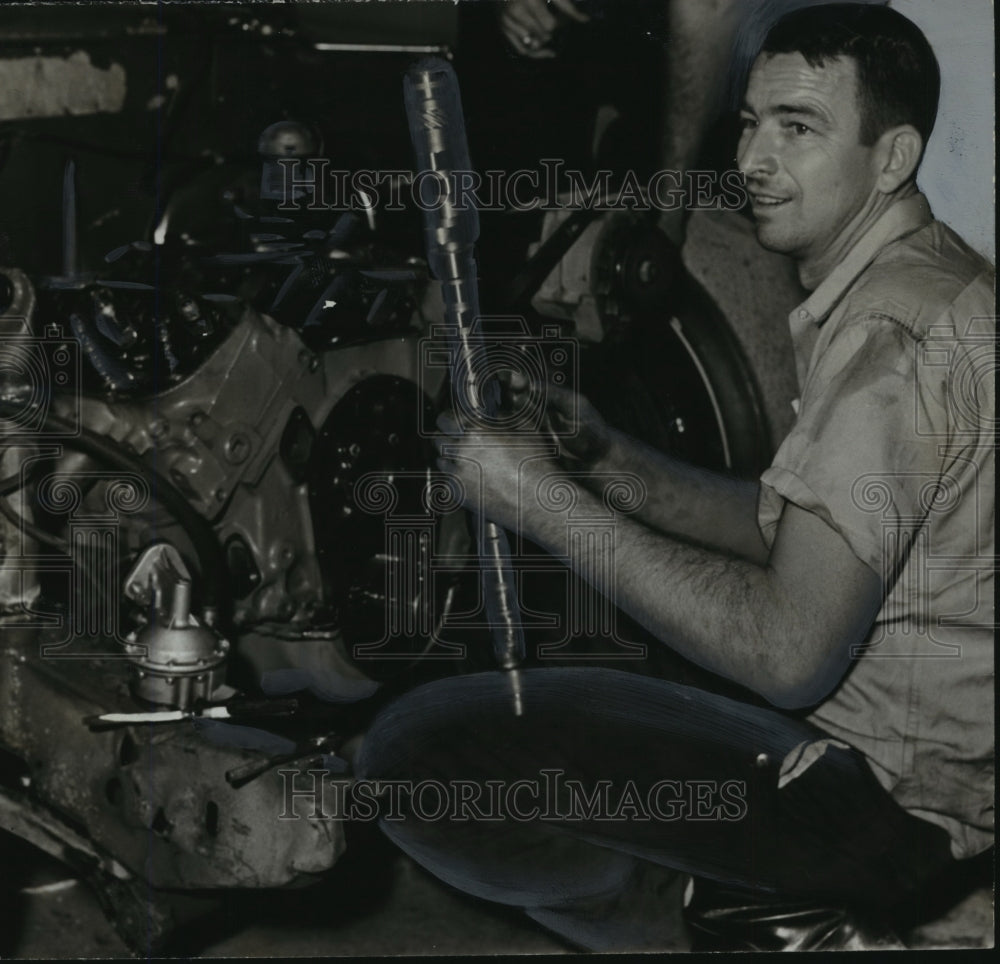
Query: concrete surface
point(384, 905)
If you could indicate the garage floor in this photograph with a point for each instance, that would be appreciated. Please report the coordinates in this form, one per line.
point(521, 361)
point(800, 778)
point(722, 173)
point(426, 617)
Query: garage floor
point(389, 907)
point(383, 906)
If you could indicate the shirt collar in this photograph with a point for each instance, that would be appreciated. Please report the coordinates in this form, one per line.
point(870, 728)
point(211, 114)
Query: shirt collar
point(901, 218)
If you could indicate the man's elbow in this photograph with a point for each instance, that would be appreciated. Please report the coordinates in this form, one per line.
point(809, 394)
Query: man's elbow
point(799, 689)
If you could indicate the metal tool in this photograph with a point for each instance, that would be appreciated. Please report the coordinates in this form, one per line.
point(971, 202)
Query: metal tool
point(234, 709)
point(437, 130)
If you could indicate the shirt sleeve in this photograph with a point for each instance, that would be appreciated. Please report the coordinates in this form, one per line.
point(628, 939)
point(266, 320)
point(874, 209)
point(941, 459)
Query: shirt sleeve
point(857, 455)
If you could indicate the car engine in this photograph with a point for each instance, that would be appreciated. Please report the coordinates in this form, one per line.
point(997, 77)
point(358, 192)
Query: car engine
point(223, 543)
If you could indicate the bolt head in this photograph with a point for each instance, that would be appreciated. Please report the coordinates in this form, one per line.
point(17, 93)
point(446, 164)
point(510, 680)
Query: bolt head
point(237, 448)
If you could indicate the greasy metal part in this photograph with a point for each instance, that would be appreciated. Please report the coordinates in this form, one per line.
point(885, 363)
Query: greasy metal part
point(24, 818)
point(547, 257)
point(153, 796)
point(235, 708)
point(69, 256)
point(144, 919)
point(387, 48)
point(437, 129)
point(290, 141)
point(609, 268)
point(71, 276)
point(286, 139)
point(18, 312)
point(217, 435)
point(175, 660)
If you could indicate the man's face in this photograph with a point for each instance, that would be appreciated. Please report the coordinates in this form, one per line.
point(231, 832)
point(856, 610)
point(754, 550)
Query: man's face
point(808, 176)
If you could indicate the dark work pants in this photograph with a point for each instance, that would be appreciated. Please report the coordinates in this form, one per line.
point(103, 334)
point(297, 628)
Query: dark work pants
point(690, 783)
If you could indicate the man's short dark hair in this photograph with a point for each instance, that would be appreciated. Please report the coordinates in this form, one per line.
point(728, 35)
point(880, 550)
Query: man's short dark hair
point(899, 81)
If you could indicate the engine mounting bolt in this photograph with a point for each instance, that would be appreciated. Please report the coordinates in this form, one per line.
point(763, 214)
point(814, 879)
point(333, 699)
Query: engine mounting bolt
point(355, 449)
point(237, 448)
point(346, 510)
point(197, 418)
point(159, 428)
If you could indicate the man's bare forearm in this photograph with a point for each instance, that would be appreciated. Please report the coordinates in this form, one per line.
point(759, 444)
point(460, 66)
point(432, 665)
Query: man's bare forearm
point(731, 616)
point(696, 64)
point(687, 502)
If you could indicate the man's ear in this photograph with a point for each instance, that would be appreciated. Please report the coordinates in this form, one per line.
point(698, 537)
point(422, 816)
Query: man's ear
point(899, 150)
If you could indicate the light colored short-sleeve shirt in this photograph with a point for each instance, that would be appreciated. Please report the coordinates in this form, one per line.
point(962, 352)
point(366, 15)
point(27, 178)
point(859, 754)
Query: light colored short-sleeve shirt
point(893, 448)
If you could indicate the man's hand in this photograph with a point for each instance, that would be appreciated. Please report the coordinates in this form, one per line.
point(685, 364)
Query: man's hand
point(498, 473)
point(572, 422)
point(529, 25)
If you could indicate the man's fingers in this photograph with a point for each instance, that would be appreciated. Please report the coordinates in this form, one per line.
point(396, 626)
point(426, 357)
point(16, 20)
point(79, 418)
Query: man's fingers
point(448, 424)
point(528, 26)
point(515, 388)
point(564, 401)
point(539, 17)
point(520, 391)
point(560, 421)
point(525, 44)
point(515, 380)
point(569, 8)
